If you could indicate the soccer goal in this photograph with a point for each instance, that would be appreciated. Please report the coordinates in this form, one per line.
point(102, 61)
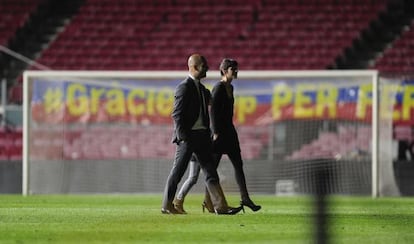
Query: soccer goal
point(110, 131)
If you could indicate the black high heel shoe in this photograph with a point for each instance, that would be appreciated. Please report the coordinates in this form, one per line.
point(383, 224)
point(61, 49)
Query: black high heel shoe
point(251, 205)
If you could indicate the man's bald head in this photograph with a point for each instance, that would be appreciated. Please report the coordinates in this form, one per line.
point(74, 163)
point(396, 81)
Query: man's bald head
point(197, 65)
point(195, 59)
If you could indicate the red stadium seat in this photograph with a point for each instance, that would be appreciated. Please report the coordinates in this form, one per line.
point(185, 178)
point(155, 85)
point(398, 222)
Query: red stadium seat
point(399, 57)
point(267, 27)
point(13, 15)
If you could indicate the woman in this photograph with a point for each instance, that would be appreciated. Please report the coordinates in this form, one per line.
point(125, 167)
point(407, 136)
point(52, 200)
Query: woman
point(225, 137)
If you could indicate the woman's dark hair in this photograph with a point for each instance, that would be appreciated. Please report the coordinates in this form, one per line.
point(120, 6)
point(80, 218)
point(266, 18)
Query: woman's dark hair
point(226, 63)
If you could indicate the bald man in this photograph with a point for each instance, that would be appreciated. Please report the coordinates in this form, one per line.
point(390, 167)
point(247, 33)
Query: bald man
point(192, 135)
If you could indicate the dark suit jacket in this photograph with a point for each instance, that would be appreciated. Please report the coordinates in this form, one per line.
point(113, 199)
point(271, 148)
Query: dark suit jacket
point(222, 107)
point(187, 108)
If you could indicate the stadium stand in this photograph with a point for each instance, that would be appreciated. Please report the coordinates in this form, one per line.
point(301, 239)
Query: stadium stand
point(377, 37)
point(398, 57)
point(262, 34)
point(14, 16)
point(117, 143)
point(10, 143)
point(42, 23)
point(128, 35)
point(270, 35)
point(349, 141)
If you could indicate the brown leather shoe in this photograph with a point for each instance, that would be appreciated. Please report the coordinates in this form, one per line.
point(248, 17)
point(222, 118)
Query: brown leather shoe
point(170, 210)
point(179, 205)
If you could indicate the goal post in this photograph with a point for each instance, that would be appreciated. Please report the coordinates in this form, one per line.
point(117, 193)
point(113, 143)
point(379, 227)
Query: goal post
point(110, 131)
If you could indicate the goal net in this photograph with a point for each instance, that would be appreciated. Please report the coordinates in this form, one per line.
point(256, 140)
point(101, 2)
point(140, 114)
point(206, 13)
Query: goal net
point(110, 132)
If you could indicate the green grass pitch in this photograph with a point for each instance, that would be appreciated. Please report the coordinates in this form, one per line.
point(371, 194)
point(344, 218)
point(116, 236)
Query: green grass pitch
point(137, 219)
